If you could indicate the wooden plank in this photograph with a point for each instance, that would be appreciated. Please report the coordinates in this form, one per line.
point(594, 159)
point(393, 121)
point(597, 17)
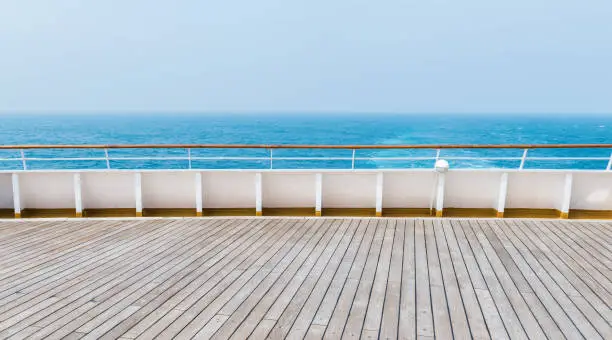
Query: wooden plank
point(581, 295)
point(191, 322)
point(439, 304)
point(591, 254)
point(590, 277)
point(304, 278)
point(66, 295)
point(391, 309)
point(516, 288)
point(167, 298)
point(28, 300)
point(407, 328)
point(373, 318)
point(202, 258)
point(356, 317)
point(458, 315)
point(510, 319)
point(472, 306)
point(337, 321)
point(424, 313)
point(76, 266)
point(120, 294)
point(549, 314)
point(297, 316)
point(529, 264)
point(337, 267)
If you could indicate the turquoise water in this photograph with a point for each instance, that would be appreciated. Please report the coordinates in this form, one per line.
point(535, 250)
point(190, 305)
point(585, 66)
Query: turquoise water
point(380, 129)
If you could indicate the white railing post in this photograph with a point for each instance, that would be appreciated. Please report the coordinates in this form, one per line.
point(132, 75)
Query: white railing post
point(198, 193)
point(318, 194)
point(567, 196)
point(258, 195)
point(78, 196)
point(23, 160)
point(503, 193)
point(379, 194)
point(138, 193)
point(437, 155)
point(16, 195)
point(106, 158)
point(609, 167)
point(189, 157)
point(440, 194)
point(522, 166)
point(353, 160)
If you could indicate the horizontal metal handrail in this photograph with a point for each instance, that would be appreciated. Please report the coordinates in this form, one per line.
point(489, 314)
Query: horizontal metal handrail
point(189, 157)
point(305, 146)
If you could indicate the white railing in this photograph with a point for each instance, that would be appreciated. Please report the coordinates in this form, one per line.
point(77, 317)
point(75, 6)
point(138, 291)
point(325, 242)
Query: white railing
point(189, 158)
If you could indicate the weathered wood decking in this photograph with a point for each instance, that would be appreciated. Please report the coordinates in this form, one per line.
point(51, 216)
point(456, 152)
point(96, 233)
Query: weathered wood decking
point(306, 278)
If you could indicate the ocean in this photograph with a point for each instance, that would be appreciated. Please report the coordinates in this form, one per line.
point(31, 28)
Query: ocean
point(378, 129)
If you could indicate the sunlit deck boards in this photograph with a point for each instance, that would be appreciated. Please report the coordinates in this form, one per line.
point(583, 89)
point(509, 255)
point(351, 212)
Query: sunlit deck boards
point(306, 278)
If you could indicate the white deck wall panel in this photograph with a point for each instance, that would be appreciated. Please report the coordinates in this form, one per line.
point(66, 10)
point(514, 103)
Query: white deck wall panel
point(168, 190)
point(53, 190)
point(289, 190)
point(6, 191)
point(349, 190)
point(230, 189)
point(471, 189)
point(236, 189)
point(592, 191)
point(535, 190)
point(108, 190)
point(410, 189)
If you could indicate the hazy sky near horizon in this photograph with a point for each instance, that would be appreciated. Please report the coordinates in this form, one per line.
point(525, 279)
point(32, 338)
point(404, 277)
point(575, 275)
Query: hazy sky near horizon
point(306, 55)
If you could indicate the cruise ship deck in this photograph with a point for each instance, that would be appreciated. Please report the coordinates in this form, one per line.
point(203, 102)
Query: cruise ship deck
point(305, 278)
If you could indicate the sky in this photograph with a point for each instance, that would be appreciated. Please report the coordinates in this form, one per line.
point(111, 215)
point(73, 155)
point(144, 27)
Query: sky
point(486, 56)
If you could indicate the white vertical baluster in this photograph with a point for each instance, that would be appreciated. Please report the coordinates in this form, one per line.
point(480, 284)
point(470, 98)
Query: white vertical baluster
point(189, 156)
point(138, 193)
point(379, 194)
point(258, 195)
point(106, 157)
point(318, 194)
point(353, 160)
point(271, 159)
point(23, 160)
point(78, 197)
point(522, 166)
point(16, 196)
point(567, 196)
point(198, 193)
point(609, 167)
point(503, 193)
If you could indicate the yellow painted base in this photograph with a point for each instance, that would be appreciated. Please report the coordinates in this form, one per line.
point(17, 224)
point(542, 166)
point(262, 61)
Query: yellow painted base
point(258, 213)
point(17, 215)
point(500, 214)
point(564, 215)
point(591, 214)
point(379, 214)
point(198, 213)
point(139, 214)
point(318, 213)
point(78, 214)
point(438, 213)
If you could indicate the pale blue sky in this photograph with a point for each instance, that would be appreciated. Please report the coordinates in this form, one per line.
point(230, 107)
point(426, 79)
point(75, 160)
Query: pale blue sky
point(306, 55)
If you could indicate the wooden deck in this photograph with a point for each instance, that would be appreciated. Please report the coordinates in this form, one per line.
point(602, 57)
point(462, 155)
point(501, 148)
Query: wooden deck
point(306, 278)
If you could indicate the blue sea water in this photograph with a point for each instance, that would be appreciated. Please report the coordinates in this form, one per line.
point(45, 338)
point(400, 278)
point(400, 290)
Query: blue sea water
point(379, 129)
